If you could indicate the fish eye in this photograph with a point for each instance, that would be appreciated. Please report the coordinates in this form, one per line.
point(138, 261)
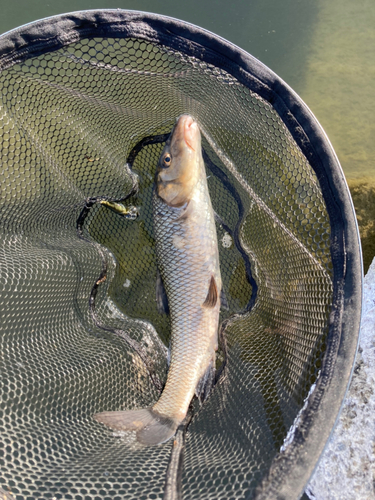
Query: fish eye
point(167, 160)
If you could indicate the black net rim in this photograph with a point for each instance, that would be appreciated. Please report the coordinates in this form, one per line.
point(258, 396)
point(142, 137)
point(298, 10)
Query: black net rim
point(292, 468)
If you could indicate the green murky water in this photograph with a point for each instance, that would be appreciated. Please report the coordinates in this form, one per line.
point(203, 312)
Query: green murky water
point(339, 87)
point(324, 49)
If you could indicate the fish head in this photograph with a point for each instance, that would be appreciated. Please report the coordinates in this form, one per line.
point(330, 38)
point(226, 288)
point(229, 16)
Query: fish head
point(180, 164)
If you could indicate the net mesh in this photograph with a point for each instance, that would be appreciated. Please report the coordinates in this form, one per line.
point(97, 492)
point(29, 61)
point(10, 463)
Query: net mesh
point(69, 120)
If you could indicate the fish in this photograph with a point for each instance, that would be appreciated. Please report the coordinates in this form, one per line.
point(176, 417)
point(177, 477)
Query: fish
point(189, 284)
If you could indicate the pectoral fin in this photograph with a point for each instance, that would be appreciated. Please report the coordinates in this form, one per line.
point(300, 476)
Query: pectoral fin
point(212, 295)
point(161, 296)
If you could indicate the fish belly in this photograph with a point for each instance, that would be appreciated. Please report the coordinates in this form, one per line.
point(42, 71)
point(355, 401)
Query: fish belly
point(187, 252)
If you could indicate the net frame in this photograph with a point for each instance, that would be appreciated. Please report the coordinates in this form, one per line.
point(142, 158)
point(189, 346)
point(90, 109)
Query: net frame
point(292, 468)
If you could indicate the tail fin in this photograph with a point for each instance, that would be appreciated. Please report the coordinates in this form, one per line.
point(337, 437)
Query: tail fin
point(152, 428)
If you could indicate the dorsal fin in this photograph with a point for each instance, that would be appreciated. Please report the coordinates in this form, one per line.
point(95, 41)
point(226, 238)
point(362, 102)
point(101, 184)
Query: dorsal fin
point(212, 295)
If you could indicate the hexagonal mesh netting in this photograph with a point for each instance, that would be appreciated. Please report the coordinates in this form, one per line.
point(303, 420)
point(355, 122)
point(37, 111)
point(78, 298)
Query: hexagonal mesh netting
point(79, 94)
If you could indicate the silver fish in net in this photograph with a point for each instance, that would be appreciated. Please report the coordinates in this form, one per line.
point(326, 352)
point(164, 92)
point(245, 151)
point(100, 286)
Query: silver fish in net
point(189, 285)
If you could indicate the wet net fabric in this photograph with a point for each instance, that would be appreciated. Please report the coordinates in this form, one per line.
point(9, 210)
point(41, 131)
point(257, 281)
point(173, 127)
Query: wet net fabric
point(69, 120)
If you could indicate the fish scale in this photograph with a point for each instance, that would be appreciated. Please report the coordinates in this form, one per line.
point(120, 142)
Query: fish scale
point(186, 273)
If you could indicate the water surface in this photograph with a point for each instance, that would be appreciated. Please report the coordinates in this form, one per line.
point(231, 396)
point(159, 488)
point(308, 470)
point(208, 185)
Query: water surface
point(323, 49)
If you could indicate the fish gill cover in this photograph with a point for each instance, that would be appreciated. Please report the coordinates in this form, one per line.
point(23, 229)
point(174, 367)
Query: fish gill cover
point(84, 118)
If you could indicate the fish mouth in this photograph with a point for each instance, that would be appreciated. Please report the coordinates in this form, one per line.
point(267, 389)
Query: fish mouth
point(187, 128)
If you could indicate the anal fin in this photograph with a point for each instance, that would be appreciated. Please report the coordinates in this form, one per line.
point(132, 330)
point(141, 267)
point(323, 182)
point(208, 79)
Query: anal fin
point(206, 382)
